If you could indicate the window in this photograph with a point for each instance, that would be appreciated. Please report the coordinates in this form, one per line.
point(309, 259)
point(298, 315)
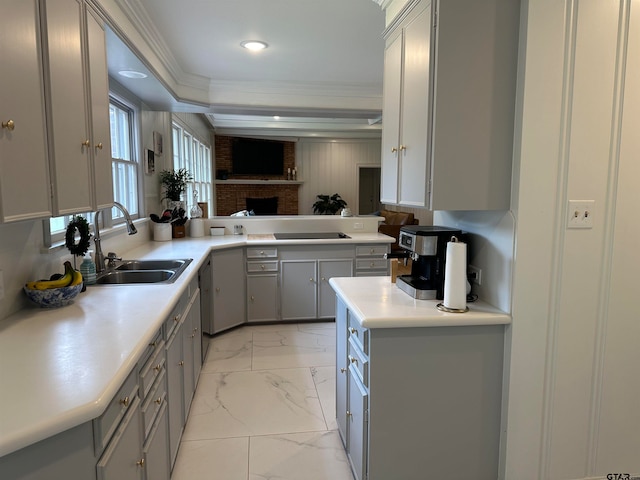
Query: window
point(124, 169)
point(195, 156)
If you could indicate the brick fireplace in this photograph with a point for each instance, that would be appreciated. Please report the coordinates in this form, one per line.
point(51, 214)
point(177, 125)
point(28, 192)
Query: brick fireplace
point(231, 194)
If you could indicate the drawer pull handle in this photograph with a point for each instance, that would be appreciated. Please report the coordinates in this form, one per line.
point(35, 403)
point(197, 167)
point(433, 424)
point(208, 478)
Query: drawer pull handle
point(124, 401)
point(9, 125)
point(140, 462)
point(157, 367)
point(353, 331)
point(353, 359)
point(159, 400)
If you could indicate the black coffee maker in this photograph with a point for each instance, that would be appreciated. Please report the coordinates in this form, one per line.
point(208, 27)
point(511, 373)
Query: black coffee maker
point(427, 247)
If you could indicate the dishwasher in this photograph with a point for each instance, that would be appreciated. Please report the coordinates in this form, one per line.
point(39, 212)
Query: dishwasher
point(204, 281)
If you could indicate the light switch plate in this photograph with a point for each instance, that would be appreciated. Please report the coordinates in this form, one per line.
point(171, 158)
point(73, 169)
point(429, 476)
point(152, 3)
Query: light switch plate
point(580, 213)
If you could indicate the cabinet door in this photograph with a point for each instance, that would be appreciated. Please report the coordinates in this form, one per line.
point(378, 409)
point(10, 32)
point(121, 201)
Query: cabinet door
point(357, 427)
point(262, 298)
point(175, 396)
point(100, 128)
point(191, 353)
point(341, 368)
point(122, 460)
point(299, 289)
point(156, 450)
point(68, 130)
point(414, 162)
point(327, 297)
point(391, 130)
point(23, 153)
point(228, 289)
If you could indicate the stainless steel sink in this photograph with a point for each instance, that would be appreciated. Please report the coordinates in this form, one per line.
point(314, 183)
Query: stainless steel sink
point(151, 264)
point(143, 271)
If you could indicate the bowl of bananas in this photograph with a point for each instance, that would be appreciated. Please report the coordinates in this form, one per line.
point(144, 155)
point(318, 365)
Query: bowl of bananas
point(59, 290)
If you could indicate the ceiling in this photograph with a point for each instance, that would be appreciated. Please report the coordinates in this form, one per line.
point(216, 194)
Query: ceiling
point(321, 73)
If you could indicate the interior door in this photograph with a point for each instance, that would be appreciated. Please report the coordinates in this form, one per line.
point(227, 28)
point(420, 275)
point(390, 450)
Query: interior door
point(368, 190)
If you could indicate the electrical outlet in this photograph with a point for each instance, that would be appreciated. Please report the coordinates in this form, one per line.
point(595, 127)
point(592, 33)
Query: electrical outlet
point(475, 275)
point(580, 213)
point(358, 226)
point(1, 285)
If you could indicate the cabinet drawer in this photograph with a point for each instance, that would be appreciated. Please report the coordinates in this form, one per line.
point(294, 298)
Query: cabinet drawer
point(371, 264)
point(173, 320)
point(262, 252)
point(151, 369)
point(151, 348)
point(371, 250)
point(153, 403)
point(358, 360)
point(359, 334)
point(257, 267)
point(108, 422)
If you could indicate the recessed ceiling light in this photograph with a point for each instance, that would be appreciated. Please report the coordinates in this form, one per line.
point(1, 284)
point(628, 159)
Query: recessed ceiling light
point(132, 74)
point(254, 45)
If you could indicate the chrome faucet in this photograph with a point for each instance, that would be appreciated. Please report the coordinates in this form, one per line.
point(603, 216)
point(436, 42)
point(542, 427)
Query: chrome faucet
point(99, 256)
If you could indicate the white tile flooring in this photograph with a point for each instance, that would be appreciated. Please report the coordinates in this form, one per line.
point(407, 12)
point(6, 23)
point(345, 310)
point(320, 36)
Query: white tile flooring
point(264, 408)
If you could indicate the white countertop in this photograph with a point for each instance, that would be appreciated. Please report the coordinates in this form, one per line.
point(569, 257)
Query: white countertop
point(378, 303)
point(62, 366)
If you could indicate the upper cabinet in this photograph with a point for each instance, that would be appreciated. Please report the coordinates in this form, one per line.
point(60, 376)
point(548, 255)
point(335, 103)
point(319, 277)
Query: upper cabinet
point(25, 191)
point(448, 106)
point(55, 151)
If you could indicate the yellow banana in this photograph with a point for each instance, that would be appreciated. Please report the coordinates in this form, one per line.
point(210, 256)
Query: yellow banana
point(63, 281)
point(77, 278)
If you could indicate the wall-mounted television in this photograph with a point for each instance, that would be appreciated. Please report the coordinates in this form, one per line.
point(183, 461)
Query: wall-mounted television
point(251, 156)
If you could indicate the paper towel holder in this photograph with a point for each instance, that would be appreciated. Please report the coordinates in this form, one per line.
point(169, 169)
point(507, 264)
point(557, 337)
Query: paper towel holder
point(442, 308)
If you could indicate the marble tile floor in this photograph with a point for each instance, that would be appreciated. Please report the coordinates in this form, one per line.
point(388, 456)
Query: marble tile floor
point(264, 408)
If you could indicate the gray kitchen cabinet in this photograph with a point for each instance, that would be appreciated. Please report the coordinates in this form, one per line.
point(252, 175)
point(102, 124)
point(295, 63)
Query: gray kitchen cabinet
point(76, 60)
point(305, 271)
point(429, 406)
point(228, 283)
point(370, 261)
point(123, 460)
point(23, 148)
point(156, 449)
point(448, 134)
point(191, 344)
point(262, 284)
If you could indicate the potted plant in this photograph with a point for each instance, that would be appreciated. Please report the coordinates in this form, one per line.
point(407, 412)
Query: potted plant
point(328, 205)
point(174, 182)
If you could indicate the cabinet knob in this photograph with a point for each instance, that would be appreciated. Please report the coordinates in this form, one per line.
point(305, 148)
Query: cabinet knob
point(86, 143)
point(140, 462)
point(403, 147)
point(311, 279)
point(252, 298)
point(153, 344)
point(9, 125)
point(349, 414)
point(158, 367)
point(261, 252)
point(352, 359)
point(394, 150)
point(124, 401)
point(99, 145)
point(353, 331)
point(324, 279)
point(217, 289)
point(181, 363)
point(372, 251)
point(176, 318)
point(158, 400)
point(342, 370)
point(262, 267)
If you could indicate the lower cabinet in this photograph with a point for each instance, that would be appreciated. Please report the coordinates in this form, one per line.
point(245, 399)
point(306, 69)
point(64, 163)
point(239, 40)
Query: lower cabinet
point(429, 406)
point(262, 297)
point(123, 460)
point(228, 284)
point(156, 449)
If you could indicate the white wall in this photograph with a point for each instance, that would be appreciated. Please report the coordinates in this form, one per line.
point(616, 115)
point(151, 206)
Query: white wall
point(573, 386)
point(331, 166)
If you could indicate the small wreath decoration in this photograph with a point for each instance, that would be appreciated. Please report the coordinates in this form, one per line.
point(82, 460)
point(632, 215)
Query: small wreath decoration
point(80, 224)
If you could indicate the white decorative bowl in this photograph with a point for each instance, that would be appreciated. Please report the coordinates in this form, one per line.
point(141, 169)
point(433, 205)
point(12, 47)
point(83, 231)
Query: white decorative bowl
point(53, 297)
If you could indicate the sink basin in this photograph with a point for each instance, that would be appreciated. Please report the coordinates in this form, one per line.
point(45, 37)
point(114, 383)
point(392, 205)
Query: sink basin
point(135, 276)
point(144, 271)
point(151, 264)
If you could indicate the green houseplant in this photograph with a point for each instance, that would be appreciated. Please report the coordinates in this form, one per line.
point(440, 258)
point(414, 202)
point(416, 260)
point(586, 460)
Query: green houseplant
point(174, 182)
point(328, 205)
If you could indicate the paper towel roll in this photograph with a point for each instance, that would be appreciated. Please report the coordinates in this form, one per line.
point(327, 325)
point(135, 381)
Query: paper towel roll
point(455, 276)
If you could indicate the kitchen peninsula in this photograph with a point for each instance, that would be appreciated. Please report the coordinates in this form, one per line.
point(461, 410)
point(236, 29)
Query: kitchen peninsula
point(83, 377)
point(418, 390)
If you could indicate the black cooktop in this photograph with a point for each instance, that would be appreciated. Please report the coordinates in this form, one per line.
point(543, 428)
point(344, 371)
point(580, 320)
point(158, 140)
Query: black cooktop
point(309, 235)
